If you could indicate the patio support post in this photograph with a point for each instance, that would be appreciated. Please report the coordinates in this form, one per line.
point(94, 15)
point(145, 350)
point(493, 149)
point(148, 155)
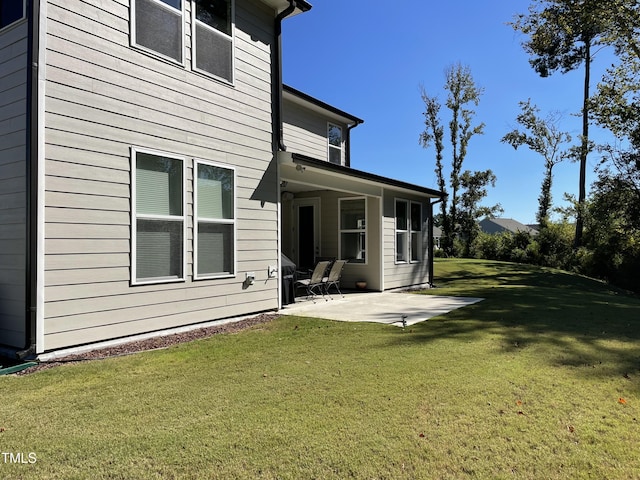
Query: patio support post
point(430, 234)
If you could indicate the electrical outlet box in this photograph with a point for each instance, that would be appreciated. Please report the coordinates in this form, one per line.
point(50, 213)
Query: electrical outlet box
point(272, 271)
point(250, 278)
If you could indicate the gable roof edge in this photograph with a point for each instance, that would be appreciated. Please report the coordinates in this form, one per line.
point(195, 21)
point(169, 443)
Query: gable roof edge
point(306, 98)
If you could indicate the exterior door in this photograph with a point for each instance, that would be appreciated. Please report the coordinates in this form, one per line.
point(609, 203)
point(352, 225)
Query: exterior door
point(306, 232)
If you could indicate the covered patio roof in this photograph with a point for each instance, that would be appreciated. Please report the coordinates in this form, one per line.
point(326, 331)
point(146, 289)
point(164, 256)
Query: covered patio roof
point(306, 173)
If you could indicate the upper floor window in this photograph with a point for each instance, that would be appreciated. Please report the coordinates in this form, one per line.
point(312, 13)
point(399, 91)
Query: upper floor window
point(213, 38)
point(334, 136)
point(157, 25)
point(11, 11)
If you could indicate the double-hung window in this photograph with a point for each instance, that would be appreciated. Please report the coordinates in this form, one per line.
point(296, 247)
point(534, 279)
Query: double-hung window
point(334, 136)
point(11, 11)
point(159, 215)
point(353, 229)
point(213, 38)
point(158, 26)
point(416, 232)
point(215, 220)
point(408, 231)
point(402, 231)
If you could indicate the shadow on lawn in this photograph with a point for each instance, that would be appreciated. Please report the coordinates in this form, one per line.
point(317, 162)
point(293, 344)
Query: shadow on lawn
point(588, 323)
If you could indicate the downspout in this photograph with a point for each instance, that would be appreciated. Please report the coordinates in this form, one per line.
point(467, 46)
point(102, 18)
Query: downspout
point(277, 118)
point(430, 233)
point(347, 159)
point(31, 249)
point(277, 80)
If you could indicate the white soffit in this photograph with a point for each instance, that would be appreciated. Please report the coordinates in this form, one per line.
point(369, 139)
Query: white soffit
point(280, 5)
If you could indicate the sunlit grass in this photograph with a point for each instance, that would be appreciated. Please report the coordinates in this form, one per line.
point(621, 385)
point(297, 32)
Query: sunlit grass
point(526, 384)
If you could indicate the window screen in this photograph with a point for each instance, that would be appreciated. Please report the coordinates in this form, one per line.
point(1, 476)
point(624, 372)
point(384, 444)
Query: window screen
point(213, 35)
point(158, 27)
point(214, 53)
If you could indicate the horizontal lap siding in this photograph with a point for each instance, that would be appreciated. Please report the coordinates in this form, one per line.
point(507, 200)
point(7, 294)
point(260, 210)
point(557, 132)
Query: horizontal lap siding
point(402, 274)
point(305, 131)
point(13, 162)
point(104, 97)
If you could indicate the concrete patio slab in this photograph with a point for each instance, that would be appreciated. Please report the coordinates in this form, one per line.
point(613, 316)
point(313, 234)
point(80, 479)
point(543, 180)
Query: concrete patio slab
point(380, 307)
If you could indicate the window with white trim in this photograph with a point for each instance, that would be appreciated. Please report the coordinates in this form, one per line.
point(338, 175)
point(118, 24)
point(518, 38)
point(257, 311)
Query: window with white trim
point(11, 11)
point(213, 27)
point(408, 231)
point(416, 232)
point(158, 26)
point(214, 238)
point(158, 235)
point(353, 229)
point(402, 231)
point(334, 140)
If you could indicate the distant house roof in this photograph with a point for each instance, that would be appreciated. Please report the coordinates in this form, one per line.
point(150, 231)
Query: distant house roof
point(437, 232)
point(499, 225)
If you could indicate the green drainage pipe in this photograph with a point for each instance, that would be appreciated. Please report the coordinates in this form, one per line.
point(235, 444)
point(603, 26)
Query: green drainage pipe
point(17, 368)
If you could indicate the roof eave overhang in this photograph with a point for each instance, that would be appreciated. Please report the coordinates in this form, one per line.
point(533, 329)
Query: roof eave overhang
point(281, 5)
point(311, 103)
point(348, 174)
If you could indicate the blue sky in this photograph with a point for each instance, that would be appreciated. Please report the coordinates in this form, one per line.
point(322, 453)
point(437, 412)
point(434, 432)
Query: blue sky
point(369, 59)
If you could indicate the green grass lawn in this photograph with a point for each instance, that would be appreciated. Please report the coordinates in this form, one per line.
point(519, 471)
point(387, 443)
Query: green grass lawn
point(541, 380)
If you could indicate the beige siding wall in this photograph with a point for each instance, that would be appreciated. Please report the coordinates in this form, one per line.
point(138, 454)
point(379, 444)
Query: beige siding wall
point(330, 236)
point(397, 275)
point(13, 109)
point(305, 131)
point(102, 98)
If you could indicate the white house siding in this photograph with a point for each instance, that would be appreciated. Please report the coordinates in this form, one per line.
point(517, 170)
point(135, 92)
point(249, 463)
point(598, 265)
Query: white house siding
point(397, 275)
point(102, 98)
point(305, 131)
point(13, 164)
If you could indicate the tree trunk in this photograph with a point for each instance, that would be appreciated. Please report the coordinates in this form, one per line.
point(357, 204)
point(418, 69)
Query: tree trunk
point(584, 148)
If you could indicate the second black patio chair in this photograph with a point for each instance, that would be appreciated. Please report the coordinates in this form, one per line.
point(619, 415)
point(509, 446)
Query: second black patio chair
point(315, 284)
